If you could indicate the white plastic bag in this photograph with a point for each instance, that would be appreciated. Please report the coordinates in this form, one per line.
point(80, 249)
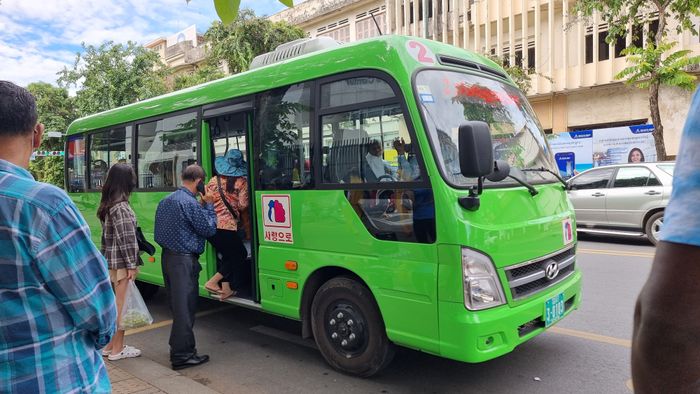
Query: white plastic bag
point(135, 314)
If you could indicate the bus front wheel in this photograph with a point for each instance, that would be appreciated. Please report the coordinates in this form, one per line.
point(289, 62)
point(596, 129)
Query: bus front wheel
point(349, 329)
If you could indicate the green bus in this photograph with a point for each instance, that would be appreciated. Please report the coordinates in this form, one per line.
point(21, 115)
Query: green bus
point(402, 193)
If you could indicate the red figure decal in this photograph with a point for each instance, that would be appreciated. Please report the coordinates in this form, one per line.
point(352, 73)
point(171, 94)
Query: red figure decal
point(279, 212)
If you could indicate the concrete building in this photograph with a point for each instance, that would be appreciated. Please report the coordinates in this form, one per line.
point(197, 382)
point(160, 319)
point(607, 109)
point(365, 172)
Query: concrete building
point(573, 85)
point(182, 52)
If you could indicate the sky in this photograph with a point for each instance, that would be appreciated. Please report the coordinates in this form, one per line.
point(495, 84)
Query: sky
point(38, 38)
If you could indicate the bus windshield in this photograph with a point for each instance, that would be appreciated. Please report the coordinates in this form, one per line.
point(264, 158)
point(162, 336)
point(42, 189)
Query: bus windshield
point(448, 99)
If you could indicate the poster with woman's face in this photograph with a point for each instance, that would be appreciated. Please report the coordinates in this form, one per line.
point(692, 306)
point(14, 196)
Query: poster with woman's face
point(627, 144)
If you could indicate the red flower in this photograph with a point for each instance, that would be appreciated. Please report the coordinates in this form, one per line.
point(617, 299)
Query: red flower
point(476, 91)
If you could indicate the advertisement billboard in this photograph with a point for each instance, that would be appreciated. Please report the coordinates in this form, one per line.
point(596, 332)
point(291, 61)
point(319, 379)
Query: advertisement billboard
point(572, 151)
point(576, 151)
point(629, 144)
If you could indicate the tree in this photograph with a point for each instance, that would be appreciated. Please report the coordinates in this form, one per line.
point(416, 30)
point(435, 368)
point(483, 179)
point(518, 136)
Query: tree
point(56, 111)
point(236, 44)
point(113, 75)
point(654, 64)
point(202, 74)
point(228, 9)
point(519, 74)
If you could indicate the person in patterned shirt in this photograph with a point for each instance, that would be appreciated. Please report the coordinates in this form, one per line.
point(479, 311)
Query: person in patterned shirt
point(57, 307)
point(181, 228)
point(119, 246)
point(230, 183)
point(666, 336)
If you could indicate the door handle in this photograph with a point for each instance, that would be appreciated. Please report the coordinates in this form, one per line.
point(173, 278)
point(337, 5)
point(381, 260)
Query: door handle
point(652, 193)
point(598, 194)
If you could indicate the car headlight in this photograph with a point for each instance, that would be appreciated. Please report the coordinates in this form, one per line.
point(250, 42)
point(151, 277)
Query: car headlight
point(482, 289)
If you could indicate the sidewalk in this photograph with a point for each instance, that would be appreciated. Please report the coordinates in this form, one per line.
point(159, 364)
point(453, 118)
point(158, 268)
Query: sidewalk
point(144, 376)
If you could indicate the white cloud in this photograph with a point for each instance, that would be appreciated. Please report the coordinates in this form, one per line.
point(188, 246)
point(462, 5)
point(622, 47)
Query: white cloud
point(40, 37)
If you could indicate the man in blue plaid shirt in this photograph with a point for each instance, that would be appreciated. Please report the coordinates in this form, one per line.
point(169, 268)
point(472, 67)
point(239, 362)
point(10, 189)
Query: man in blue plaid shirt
point(57, 308)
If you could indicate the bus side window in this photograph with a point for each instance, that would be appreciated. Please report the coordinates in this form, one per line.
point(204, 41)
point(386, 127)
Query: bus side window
point(368, 142)
point(106, 149)
point(284, 144)
point(75, 158)
point(165, 148)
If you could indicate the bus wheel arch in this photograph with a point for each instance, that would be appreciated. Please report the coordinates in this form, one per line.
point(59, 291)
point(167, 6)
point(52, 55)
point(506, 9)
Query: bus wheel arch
point(348, 327)
point(311, 286)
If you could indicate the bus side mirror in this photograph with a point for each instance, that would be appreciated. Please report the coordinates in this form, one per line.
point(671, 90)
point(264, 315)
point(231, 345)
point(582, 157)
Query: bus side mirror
point(475, 149)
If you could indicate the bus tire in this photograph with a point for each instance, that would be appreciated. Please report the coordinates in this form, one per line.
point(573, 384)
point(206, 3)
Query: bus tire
point(147, 290)
point(349, 329)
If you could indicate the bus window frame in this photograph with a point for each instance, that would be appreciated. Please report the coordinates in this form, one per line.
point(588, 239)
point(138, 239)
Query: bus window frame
point(399, 98)
point(88, 151)
point(242, 104)
point(66, 181)
point(257, 136)
point(198, 127)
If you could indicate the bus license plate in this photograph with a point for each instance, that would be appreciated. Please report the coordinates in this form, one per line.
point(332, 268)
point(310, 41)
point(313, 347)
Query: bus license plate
point(553, 309)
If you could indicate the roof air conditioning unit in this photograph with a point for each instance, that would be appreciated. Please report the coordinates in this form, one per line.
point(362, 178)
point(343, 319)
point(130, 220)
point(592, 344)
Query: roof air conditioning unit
point(293, 49)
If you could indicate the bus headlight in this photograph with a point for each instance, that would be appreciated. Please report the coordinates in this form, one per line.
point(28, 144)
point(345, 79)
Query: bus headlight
point(482, 289)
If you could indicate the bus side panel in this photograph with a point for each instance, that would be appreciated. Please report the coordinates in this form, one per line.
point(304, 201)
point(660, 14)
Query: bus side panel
point(144, 205)
point(327, 232)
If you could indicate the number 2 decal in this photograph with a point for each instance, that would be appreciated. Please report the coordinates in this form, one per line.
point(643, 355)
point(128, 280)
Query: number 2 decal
point(420, 52)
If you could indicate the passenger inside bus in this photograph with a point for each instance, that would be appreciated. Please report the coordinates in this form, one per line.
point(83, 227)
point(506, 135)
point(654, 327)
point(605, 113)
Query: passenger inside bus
point(377, 170)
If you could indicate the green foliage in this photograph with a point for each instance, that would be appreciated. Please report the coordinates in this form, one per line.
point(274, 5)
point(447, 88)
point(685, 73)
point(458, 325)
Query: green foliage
point(201, 75)
point(112, 75)
point(48, 169)
point(670, 70)
point(236, 44)
point(56, 110)
point(520, 75)
point(228, 9)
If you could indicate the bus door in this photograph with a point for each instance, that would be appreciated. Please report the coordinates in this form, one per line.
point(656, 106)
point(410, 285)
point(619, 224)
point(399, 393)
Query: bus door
point(227, 128)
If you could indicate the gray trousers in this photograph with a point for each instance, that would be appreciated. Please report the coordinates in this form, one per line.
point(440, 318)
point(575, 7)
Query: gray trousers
point(181, 275)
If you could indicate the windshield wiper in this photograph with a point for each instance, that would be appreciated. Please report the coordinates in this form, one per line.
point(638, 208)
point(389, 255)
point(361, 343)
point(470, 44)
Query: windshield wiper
point(529, 187)
point(502, 170)
point(543, 169)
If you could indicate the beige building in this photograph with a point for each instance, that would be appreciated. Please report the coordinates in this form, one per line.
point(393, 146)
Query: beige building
point(573, 85)
point(182, 52)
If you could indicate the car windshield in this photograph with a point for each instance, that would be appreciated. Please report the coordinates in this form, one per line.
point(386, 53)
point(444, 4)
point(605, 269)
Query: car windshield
point(448, 99)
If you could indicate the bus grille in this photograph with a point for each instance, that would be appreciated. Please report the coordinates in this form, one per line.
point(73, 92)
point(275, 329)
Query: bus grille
point(530, 277)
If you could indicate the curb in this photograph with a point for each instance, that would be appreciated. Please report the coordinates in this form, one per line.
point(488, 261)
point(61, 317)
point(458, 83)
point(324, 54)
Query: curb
point(149, 373)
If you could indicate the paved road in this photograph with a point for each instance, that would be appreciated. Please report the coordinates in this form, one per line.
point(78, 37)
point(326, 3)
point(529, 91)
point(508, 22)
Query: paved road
point(586, 353)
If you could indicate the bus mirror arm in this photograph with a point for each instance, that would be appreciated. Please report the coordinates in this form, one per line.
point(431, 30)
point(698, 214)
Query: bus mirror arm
point(472, 201)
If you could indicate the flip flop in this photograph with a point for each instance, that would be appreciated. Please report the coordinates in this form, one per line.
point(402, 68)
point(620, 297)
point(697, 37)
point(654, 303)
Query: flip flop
point(212, 290)
point(223, 296)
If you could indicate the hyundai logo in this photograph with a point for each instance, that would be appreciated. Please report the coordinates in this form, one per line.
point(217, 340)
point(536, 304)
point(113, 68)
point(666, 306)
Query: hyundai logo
point(552, 270)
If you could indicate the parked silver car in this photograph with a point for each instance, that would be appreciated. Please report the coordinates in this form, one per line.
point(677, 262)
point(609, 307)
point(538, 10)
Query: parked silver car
point(625, 199)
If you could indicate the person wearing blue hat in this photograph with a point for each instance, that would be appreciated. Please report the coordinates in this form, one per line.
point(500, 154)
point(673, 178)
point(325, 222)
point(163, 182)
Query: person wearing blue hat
point(230, 190)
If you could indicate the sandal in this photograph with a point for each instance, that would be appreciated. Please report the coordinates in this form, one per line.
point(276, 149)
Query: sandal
point(223, 296)
point(127, 352)
point(106, 352)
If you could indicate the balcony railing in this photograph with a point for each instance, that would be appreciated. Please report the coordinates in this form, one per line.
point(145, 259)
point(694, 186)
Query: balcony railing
point(191, 53)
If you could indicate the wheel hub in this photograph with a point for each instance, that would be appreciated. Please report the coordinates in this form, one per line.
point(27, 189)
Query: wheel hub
point(346, 328)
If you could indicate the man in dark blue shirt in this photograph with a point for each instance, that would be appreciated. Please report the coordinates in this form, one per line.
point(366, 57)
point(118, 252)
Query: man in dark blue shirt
point(181, 229)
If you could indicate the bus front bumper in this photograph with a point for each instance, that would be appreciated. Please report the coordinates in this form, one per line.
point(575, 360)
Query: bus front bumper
point(483, 335)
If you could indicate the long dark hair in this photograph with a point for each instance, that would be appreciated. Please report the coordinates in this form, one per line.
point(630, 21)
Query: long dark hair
point(629, 156)
point(121, 180)
point(230, 183)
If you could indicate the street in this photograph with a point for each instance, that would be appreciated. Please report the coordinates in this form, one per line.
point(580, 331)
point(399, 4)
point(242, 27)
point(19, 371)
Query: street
point(588, 352)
